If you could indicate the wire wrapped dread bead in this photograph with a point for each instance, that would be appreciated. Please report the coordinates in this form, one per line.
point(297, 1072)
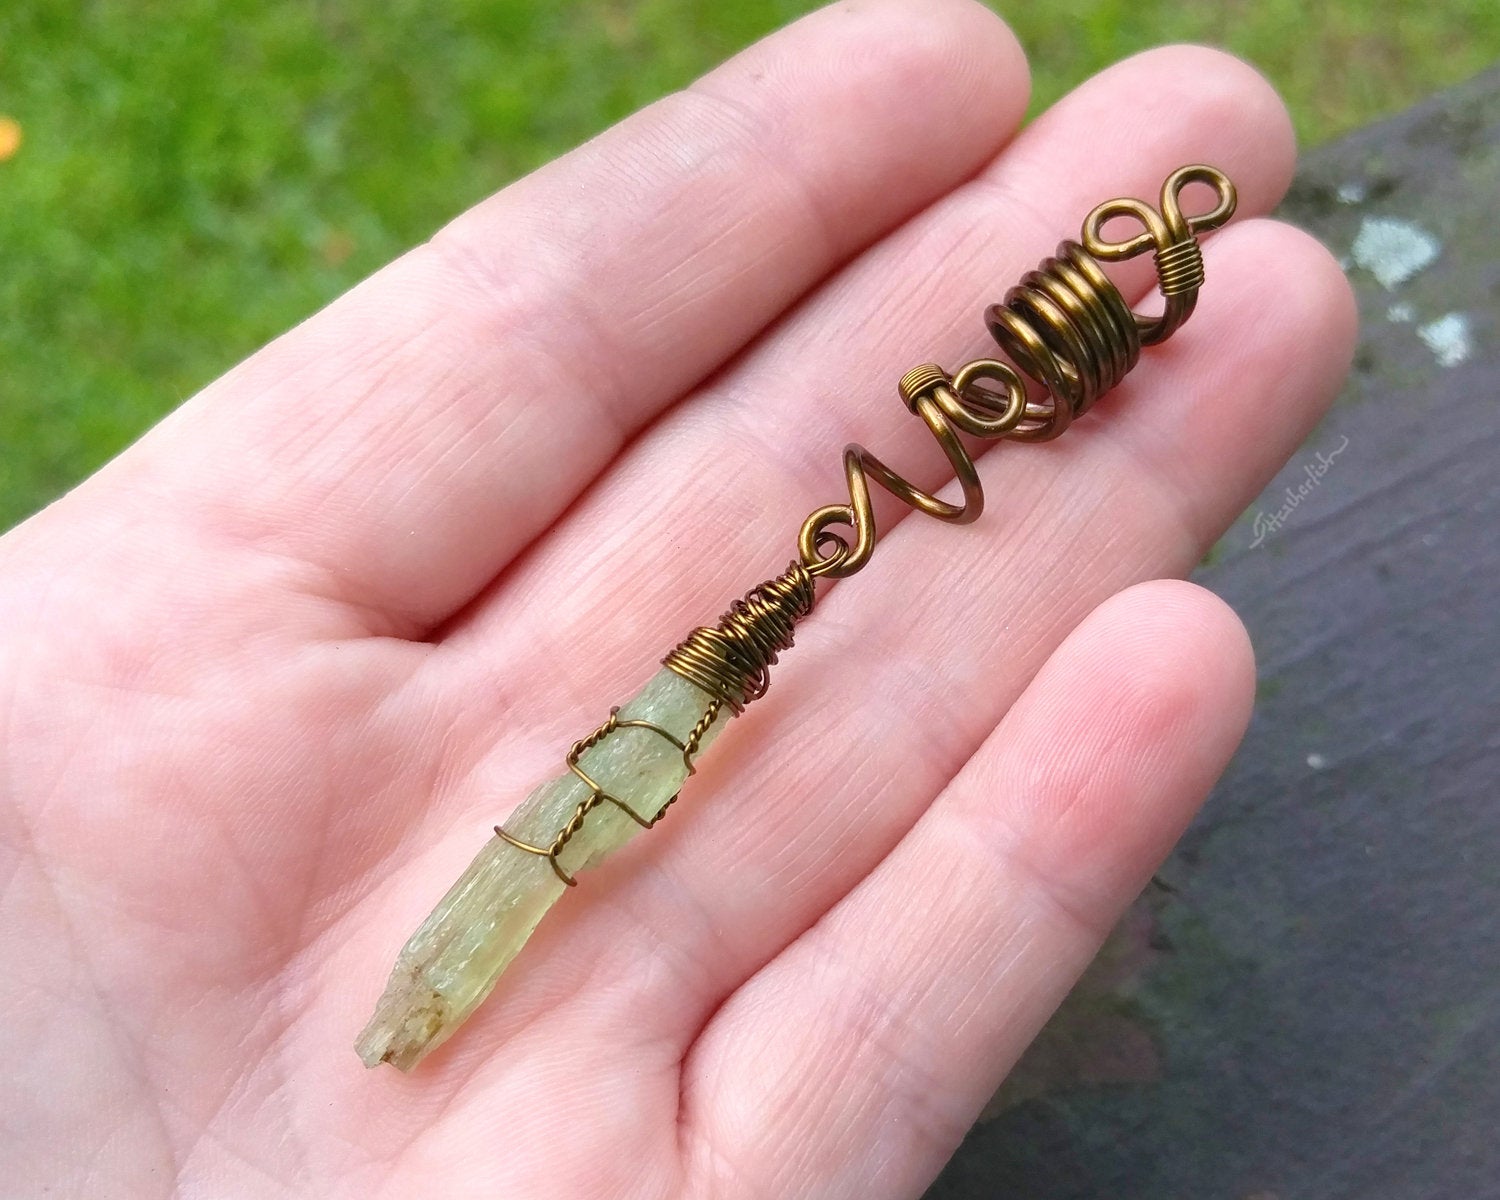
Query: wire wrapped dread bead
point(1067, 329)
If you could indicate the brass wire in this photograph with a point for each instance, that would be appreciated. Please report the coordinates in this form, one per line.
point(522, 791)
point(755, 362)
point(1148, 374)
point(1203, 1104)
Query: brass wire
point(1066, 327)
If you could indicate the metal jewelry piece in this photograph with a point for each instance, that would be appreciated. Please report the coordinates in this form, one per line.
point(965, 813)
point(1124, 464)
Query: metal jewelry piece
point(1066, 327)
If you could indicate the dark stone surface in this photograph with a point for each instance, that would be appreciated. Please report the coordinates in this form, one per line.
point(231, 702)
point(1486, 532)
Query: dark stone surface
point(1308, 1004)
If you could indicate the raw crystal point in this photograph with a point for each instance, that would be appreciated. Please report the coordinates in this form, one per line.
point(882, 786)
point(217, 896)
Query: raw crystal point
point(452, 962)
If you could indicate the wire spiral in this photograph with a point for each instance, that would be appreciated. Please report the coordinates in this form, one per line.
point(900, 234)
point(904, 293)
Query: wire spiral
point(1066, 327)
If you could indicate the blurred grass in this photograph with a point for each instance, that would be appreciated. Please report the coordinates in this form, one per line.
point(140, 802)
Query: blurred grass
point(193, 178)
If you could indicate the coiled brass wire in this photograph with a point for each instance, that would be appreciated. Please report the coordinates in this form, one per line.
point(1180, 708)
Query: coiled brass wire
point(1067, 327)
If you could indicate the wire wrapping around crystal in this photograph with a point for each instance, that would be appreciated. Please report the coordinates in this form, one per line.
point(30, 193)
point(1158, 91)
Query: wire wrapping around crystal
point(732, 660)
point(599, 795)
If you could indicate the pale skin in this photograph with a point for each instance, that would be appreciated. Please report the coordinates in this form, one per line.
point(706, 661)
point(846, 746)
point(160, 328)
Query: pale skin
point(272, 675)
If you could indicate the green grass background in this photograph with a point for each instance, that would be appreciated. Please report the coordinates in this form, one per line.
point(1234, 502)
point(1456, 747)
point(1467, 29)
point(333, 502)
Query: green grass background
point(195, 176)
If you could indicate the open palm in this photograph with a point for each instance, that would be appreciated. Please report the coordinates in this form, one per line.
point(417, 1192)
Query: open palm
point(271, 676)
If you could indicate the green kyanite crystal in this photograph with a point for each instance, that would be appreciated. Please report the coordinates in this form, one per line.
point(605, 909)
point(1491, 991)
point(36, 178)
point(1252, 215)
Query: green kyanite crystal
point(453, 960)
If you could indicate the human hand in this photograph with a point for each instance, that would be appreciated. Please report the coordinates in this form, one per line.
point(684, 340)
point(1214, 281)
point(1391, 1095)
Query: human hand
point(276, 670)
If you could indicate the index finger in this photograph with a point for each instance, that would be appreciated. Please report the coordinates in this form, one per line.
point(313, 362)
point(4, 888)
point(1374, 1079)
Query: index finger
point(397, 449)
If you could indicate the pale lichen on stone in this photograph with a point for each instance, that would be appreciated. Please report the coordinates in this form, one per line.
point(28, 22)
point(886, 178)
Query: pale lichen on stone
point(452, 962)
point(1448, 338)
point(1394, 250)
